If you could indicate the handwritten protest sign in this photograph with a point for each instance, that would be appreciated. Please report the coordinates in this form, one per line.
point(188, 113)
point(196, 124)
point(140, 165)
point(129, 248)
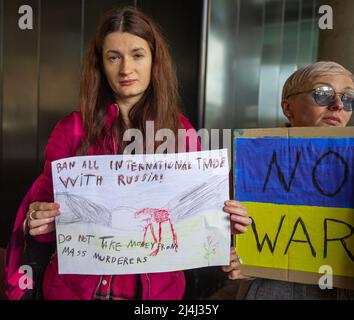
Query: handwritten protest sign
point(141, 213)
point(297, 184)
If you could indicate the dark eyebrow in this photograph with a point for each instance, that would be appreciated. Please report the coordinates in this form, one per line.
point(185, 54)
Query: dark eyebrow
point(112, 51)
point(138, 49)
point(351, 88)
point(133, 51)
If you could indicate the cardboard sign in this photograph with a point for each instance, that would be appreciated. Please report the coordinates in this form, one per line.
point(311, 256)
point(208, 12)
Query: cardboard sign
point(142, 213)
point(298, 187)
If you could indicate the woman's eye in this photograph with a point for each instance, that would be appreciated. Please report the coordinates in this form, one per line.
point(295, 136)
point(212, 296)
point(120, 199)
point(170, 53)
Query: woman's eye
point(138, 56)
point(348, 97)
point(113, 58)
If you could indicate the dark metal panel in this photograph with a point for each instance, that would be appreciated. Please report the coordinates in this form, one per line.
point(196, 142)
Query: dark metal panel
point(19, 86)
point(19, 110)
point(4, 224)
point(338, 44)
point(1, 81)
point(203, 62)
point(60, 45)
point(181, 24)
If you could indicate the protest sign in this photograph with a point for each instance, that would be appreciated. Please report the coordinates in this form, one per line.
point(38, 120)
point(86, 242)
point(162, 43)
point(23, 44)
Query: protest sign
point(123, 214)
point(297, 184)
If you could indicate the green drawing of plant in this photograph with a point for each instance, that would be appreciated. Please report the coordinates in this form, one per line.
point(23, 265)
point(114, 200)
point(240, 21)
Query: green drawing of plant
point(209, 248)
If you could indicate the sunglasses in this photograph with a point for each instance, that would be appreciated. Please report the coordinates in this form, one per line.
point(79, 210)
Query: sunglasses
point(325, 96)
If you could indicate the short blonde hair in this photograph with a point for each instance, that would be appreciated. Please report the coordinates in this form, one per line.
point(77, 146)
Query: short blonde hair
point(306, 74)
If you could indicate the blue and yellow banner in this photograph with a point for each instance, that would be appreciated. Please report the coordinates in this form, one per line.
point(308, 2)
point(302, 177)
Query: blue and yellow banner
point(299, 192)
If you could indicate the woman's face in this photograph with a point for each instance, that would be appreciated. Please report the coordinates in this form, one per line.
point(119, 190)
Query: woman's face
point(127, 62)
point(302, 110)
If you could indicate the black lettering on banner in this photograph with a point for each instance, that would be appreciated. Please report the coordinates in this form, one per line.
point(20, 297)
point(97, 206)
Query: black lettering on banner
point(65, 166)
point(90, 164)
point(299, 220)
point(68, 251)
point(85, 238)
point(326, 239)
point(97, 256)
point(62, 238)
point(66, 182)
point(81, 181)
point(138, 260)
point(344, 180)
point(118, 260)
point(116, 165)
point(281, 177)
point(266, 238)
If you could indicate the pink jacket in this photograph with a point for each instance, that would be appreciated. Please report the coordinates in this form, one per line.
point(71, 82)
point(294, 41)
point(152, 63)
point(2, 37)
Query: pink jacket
point(64, 141)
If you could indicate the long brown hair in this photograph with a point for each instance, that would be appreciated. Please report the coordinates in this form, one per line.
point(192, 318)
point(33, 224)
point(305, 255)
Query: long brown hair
point(160, 102)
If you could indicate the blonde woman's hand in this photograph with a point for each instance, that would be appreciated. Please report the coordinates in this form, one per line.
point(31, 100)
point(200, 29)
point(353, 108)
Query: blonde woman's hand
point(234, 268)
point(238, 216)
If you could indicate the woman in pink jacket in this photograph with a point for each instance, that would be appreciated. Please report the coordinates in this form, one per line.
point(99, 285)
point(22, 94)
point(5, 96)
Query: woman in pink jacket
point(128, 79)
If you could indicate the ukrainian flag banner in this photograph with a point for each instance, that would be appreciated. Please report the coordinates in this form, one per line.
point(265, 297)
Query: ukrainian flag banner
point(298, 187)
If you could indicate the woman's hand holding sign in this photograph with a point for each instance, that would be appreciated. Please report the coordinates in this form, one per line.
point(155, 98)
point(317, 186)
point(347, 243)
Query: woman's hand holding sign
point(41, 217)
point(238, 216)
point(239, 222)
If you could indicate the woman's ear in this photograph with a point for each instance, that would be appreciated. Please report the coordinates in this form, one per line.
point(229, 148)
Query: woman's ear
point(285, 105)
